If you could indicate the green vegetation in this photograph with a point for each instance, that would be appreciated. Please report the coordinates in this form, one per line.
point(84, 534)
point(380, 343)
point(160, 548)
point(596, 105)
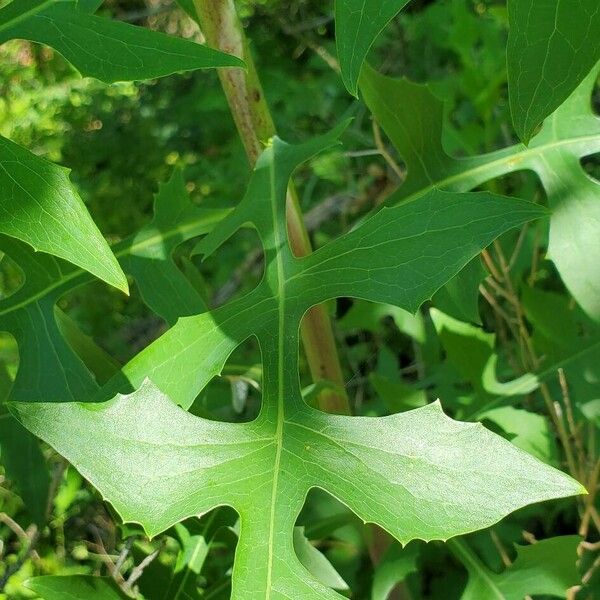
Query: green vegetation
point(299, 299)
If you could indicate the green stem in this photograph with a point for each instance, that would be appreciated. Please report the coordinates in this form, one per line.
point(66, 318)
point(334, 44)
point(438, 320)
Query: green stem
point(222, 28)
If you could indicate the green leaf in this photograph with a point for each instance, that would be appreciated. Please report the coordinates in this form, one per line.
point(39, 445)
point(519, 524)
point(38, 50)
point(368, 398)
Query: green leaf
point(100, 363)
point(459, 298)
point(103, 48)
point(316, 562)
point(552, 46)
point(358, 23)
point(40, 206)
point(396, 564)
point(412, 117)
point(397, 395)
point(22, 459)
point(544, 568)
point(71, 587)
point(150, 260)
point(565, 338)
point(25, 466)
point(89, 6)
point(195, 536)
point(369, 316)
point(162, 456)
point(189, 8)
point(471, 351)
point(30, 313)
point(141, 451)
point(530, 431)
point(573, 196)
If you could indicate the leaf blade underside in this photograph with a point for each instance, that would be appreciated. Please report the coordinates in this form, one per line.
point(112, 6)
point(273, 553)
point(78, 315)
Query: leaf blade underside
point(158, 464)
point(358, 23)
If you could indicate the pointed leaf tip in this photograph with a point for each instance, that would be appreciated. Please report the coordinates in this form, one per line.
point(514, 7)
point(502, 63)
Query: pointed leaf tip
point(45, 211)
point(149, 54)
point(357, 25)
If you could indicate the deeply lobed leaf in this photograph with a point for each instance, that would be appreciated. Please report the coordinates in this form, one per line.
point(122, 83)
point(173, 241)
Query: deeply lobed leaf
point(417, 474)
point(412, 118)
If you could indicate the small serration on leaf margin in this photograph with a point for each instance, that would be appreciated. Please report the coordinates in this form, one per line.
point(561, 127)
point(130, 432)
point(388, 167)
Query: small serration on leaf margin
point(40, 206)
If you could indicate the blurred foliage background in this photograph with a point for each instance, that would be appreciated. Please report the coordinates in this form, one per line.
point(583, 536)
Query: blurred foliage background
point(121, 140)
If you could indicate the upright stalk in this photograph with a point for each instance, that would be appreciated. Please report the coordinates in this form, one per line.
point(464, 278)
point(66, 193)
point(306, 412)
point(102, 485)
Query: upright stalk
point(222, 28)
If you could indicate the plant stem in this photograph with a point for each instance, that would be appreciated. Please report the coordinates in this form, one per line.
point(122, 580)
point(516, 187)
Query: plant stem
point(222, 29)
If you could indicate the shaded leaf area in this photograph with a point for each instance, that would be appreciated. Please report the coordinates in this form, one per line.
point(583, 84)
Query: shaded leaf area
point(69, 587)
point(552, 46)
point(527, 575)
point(566, 338)
point(468, 380)
point(472, 352)
point(103, 48)
point(22, 458)
point(40, 206)
point(90, 6)
point(412, 117)
point(357, 26)
point(396, 564)
point(157, 464)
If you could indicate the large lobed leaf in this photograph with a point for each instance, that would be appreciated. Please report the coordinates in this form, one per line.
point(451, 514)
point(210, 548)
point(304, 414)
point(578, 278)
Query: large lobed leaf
point(412, 118)
point(552, 46)
point(417, 474)
point(103, 48)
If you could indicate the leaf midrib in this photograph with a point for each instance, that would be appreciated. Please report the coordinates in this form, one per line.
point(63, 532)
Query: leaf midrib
point(279, 241)
point(520, 157)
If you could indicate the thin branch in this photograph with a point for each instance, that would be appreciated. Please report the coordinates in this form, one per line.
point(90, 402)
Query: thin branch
point(25, 554)
point(384, 152)
point(116, 571)
point(138, 570)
